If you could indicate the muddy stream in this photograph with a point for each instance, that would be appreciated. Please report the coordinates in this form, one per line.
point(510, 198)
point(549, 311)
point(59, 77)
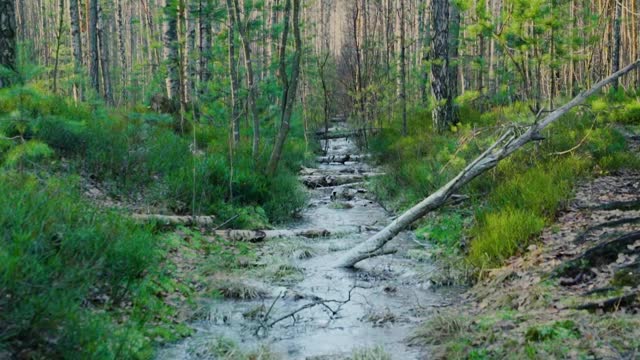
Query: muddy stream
point(390, 296)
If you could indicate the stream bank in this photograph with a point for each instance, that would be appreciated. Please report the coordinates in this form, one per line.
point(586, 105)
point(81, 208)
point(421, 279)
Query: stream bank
point(294, 304)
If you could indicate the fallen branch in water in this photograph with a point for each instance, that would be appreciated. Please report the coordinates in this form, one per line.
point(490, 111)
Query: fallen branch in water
point(317, 301)
point(511, 141)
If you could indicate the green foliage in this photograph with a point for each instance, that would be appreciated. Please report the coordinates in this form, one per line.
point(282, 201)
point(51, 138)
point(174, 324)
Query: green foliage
point(59, 255)
point(29, 152)
point(502, 234)
point(136, 153)
point(557, 330)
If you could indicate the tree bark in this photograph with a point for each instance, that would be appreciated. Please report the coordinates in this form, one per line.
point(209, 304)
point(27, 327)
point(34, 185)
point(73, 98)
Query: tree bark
point(233, 75)
point(7, 38)
point(290, 86)
point(403, 69)
point(94, 62)
point(103, 45)
point(171, 55)
point(76, 43)
point(58, 44)
point(442, 113)
point(617, 41)
point(121, 47)
point(506, 145)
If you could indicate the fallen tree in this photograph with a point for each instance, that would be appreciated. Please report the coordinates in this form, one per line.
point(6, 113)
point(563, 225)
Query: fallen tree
point(256, 236)
point(172, 220)
point(506, 145)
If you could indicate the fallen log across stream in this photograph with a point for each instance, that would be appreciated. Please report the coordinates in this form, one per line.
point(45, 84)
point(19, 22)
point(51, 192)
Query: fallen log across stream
point(511, 141)
point(174, 220)
point(256, 236)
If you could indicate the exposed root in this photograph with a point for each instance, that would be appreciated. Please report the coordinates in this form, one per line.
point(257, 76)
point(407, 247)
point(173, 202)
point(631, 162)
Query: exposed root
point(619, 205)
point(611, 304)
point(609, 224)
point(599, 255)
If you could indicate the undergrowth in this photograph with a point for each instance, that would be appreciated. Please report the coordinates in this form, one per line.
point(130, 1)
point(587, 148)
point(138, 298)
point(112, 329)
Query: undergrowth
point(513, 202)
point(134, 153)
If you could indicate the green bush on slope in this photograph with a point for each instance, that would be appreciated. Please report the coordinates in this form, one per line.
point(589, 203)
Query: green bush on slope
point(60, 261)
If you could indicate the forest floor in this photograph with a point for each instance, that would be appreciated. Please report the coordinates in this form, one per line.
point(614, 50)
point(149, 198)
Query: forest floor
point(574, 294)
point(291, 302)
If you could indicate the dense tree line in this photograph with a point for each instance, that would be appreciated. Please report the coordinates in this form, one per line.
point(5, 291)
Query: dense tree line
point(387, 55)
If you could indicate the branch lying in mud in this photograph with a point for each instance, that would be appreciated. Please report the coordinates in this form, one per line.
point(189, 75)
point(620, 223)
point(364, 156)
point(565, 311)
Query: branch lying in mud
point(511, 141)
point(266, 324)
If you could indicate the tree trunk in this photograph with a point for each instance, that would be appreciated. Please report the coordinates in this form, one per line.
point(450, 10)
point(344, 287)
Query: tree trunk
point(252, 98)
point(403, 69)
point(290, 87)
point(205, 44)
point(103, 45)
point(617, 41)
point(121, 47)
point(94, 62)
point(58, 44)
point(443, 110)
point(454, 67)
point(7, 38)
point(76, 43)
point(233, 75)
point(501, 149)
point(171, 55)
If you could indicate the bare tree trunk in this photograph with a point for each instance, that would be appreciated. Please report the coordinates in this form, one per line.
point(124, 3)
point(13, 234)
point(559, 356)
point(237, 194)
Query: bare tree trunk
point(7, 38)
point(103, 45)
point(443, 109)
point(403, 69)
point(58, 44)
point(94, 62)
point(205, 44)
point(233, 74)
point(508, 143)
point(454, 52)
point(76, 43)
point(290, 87)
point(121, 47)
point(171, 55)
point(250, 77)
point(617, 41)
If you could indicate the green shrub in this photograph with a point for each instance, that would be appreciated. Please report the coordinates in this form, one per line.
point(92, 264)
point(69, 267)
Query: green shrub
point(59, 258)
point(630, 114)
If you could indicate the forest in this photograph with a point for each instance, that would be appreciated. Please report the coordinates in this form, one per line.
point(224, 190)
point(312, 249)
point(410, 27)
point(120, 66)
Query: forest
point(319, 179)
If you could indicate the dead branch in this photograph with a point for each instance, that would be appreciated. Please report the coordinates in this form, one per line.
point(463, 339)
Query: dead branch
point(316, 302)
